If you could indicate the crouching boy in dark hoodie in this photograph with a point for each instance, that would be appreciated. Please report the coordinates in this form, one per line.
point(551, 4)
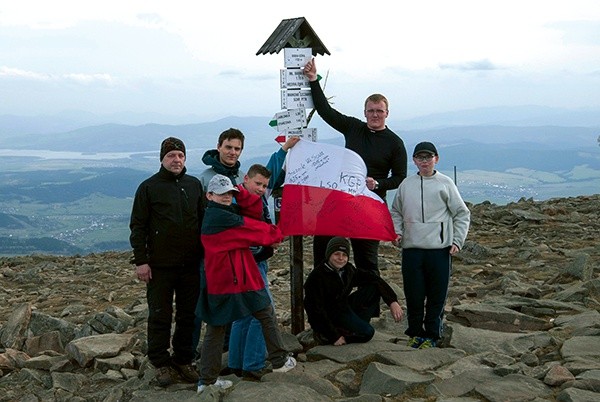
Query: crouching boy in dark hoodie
point(336, 315)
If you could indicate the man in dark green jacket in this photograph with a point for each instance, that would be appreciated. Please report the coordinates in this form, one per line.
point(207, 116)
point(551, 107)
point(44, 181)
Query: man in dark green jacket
point(165, 235)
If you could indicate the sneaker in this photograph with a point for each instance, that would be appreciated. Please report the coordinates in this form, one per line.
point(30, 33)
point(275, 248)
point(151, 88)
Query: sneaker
point(163, 376)
point(428, 343)
point(221, 384)
point(289, 364)
point(415, 342)
point(187, 372)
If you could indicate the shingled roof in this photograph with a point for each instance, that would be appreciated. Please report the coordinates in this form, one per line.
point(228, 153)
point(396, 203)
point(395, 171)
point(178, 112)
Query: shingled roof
point(296, 33)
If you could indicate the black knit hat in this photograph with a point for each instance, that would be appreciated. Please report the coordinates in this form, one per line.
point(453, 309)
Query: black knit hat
point(337, 244)
point(170, 144)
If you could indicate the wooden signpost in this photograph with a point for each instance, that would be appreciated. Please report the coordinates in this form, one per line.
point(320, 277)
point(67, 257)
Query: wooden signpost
point(300, 44)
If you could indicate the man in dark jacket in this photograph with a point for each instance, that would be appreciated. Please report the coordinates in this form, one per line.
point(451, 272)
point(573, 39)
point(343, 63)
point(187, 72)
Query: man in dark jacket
point(165, 235)
point(380, 148)
point(336, 315)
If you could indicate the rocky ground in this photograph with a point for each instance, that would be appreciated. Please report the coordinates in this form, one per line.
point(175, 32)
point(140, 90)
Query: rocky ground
point(523, 323)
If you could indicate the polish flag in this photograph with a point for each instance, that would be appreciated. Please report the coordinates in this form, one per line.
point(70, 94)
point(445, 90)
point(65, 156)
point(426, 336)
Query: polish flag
point(325, 193)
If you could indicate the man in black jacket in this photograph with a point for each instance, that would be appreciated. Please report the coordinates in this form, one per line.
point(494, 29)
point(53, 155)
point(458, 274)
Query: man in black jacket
point(165, 235)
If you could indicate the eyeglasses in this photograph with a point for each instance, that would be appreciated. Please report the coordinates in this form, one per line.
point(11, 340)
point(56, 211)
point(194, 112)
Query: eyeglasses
point(424, 158)
point(376, 111)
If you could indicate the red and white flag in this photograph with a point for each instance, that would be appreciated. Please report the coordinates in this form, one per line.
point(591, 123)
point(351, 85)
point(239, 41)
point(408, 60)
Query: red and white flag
point(325, 193)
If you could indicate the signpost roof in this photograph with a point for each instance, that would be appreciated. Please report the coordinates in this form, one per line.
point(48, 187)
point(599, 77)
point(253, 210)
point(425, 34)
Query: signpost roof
point(295, 33)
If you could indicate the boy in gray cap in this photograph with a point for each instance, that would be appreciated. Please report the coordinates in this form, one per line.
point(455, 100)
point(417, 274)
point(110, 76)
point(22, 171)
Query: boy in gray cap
point(231, 284)
point(431, 221)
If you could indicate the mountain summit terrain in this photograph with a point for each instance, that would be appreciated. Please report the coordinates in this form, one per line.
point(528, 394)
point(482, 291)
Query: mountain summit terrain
point(522, 324)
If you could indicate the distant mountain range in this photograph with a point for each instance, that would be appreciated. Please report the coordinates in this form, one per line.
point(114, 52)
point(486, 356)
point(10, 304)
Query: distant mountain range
point(487, 147)
point(61, 191)
point(527, 115)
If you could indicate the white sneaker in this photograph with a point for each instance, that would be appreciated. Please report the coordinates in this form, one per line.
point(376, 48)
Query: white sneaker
point(289, 364)
point(222, 384)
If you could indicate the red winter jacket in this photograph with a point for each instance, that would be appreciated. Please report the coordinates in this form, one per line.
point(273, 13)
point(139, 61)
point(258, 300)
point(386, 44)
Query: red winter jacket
point(232, 286)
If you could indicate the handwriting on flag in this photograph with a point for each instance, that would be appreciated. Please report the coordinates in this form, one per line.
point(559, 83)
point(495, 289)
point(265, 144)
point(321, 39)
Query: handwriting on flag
point(321, 169)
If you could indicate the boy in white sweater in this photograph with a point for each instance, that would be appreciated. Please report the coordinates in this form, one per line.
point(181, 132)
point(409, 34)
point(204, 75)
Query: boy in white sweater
point(431, 221)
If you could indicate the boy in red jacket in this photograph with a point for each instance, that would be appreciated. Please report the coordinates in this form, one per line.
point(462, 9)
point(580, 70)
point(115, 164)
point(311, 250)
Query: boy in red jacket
point(231, 286)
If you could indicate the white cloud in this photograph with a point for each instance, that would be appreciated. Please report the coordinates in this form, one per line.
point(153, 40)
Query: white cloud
point(84, 79)
point(7, 72)
point(202, 54)
point(87, 79)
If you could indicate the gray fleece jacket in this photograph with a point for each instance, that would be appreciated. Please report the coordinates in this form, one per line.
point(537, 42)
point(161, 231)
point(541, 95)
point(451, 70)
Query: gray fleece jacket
point(429, 213)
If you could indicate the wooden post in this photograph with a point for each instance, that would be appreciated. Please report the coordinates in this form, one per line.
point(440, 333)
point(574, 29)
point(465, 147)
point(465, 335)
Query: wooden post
point(295, 33)
point(297, 283)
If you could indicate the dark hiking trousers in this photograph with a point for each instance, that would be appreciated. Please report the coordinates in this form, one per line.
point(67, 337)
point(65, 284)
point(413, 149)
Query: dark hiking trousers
point(183, 284)
point(426, 276)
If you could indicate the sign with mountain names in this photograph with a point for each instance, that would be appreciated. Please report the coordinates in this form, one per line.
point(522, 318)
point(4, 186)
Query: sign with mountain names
point(289, 119)
point(296, 99)
point(293, 78)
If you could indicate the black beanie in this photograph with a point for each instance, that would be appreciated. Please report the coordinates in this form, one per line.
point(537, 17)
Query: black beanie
point(337, 244)
point(170, 144)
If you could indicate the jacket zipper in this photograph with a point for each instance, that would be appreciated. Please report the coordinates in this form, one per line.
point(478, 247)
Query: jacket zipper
point(235, 280)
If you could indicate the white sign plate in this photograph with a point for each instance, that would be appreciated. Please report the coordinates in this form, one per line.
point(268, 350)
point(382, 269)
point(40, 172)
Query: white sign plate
point(309, 134)
point(296, 57)
point(290, 119)
point(296, 99)
point(293, 78)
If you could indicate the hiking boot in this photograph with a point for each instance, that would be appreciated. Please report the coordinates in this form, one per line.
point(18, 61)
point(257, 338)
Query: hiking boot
point(415, 342)
point(287, 366)
point(228, 371)
point(164, 376)
point(256, 375)
point(428, 343)
point(187, 372)
point(222, 384)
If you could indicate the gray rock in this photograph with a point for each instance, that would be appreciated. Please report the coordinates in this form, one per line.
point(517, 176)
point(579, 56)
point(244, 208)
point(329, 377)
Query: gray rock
point(577, 395)
point(42, 323)
point(49, 341)
point(497, 318)
point(586, 319)
point(249, 391)
point(15, 331)
point(68, 381)
point(581, 346)
point(462, 383)
point(513, 387)
point(393, 380)
point(85, 350)
point(44, 362)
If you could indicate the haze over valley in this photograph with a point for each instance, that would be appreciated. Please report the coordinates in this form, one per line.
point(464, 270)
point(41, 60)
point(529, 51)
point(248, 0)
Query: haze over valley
point(66, 186)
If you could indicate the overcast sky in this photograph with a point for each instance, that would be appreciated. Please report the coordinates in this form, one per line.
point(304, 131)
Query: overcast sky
point(199, 57)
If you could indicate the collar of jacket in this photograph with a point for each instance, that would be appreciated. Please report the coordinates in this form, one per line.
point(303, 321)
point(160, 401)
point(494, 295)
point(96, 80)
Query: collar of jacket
point(164, 173)
point(211, 158)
